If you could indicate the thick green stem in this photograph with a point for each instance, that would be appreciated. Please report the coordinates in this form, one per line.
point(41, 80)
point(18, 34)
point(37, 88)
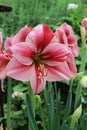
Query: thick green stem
point(30, 101)
point(43, 118)
point(32, 98)
point(9, 105)
point(82, 68)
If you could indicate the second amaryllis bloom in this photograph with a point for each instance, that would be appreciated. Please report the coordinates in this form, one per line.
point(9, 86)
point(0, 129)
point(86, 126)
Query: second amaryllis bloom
point(38, 59)
point(65, 35)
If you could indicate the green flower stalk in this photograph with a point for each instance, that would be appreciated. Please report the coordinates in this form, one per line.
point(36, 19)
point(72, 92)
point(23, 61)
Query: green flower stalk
point(82, 67)
point(30, 102)
point(9, 105)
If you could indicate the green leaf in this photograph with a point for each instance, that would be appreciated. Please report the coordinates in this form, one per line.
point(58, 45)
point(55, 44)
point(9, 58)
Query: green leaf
point(1, 119)
point(68, 106)
point(30, 113)
point(50, 99)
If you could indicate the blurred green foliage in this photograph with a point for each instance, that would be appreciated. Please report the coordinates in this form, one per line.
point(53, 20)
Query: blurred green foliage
point(32, 12)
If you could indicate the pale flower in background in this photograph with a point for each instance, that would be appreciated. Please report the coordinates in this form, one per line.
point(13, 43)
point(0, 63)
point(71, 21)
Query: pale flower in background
point(17, 94)
point(72, 6)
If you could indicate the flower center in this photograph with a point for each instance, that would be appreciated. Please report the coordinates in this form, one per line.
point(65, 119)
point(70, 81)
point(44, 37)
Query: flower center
point(37, 58)
point(41, 70)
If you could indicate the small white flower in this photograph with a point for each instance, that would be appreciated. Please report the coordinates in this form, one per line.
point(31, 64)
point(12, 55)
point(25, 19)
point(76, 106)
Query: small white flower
point(72, 6)
point(17, 94)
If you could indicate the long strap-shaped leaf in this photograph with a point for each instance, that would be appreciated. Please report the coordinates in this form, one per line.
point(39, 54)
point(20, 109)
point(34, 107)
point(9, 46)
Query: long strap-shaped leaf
point(68, 106)
point(30, 113)
point(51, 109)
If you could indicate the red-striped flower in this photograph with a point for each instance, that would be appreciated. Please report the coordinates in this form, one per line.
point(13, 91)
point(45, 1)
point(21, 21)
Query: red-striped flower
point(38, 59)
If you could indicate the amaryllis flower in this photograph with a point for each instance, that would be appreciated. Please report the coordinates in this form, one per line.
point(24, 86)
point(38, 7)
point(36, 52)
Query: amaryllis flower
point(84, 24)
point(65, 35)
point(38, 59)
point(4, 59)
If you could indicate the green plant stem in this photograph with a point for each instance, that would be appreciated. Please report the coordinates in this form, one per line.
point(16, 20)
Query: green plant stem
point(9, 105)
point(30, 102)
point(82, 68)
point(50, 100)
point(32, 98)
point(79, 88)
point(42, 115)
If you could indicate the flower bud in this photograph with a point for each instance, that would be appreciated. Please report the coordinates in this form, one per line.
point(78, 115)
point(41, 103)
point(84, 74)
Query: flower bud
point(37, 101)
point(76, 115)
point(83, 82)
point(84, 24)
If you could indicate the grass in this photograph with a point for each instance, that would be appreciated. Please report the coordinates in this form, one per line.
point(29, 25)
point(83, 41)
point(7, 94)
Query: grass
point(32, 12)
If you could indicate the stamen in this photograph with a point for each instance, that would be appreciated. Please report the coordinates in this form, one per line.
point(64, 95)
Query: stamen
point(42, 70)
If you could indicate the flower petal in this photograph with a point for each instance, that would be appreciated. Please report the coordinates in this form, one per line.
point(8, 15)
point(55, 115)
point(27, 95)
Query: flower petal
point(37, 82)
point(60, 36)
point(67, 28)
point(18, 71)
point(72, 43)
point(71, 64)
point(57, 73)
point(75, 50)
point(84, 24)
point(21, 35)
point(22, 53)
point(3, 63)
point(55, 53)
point(8, 44)
point(40, 36)
point(72, 40)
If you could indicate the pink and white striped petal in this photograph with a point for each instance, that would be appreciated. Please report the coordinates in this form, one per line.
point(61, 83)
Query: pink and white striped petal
point(22, 53)
point(40, 36)
point(37, 82)
point(55, 53)
point(21, 35)
point(57, 73)
point(18, 71)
